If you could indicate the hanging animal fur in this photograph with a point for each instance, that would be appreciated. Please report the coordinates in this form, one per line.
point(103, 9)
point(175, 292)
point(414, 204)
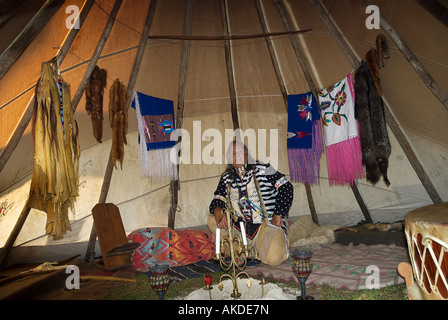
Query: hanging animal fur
point(369, 111)
point(118, 120)
point(375, 60)
point(54, 184)
point(94, 100)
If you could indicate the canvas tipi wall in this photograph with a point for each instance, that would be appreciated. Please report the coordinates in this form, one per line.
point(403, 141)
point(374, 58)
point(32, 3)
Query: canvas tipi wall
point(219, 89)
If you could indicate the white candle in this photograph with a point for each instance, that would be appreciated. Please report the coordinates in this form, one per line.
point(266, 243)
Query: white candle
point(218, 241)
point(243, 233)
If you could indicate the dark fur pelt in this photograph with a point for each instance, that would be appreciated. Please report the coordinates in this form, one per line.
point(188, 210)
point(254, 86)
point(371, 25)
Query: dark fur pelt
point(369, 111)
point(372, 60)
point(118, 120)
point(94, 100)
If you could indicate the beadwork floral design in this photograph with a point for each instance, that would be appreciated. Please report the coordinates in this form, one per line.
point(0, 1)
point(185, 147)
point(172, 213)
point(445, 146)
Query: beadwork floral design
point(331, 109)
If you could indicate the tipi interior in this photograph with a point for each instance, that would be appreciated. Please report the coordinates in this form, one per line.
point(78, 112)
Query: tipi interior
point(224, 65)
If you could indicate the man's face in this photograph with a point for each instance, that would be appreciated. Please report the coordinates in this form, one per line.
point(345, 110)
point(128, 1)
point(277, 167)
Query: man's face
point(239, 157)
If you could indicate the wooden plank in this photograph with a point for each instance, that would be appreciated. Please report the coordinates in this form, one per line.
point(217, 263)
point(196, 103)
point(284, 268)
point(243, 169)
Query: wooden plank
point(392, 123)
point(419, 68)
point(28, 114)
point(32, 29)
point(129, 94)
point(111, 234)
point(284, 92)
point(174, 184)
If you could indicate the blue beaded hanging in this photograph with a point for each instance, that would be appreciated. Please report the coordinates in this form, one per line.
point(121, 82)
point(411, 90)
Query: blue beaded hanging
point(61, 110)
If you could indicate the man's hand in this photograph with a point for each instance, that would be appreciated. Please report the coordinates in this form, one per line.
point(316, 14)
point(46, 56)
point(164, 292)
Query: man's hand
point(276, 220)
point(221, 218)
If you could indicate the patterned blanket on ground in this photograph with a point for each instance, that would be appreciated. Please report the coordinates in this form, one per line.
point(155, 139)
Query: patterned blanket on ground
point(339, 266)
point(172, 247)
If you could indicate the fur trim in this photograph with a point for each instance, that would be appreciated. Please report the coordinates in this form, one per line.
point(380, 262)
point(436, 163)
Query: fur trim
point(375, 60)
point(118, 120)
point(369, 111)
point(94, 100)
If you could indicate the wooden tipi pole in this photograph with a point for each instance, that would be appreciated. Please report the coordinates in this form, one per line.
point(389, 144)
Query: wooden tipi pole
point(32, 29)
point(174, 184)
point(438, 10)
point(28, 114)
point(75, 101)
point(303, 63)
point(22, 126)
point(96, 54)
point(129, 94)
point(423, 73)
point(229, 67)
point(392, 123)
point(283, 89)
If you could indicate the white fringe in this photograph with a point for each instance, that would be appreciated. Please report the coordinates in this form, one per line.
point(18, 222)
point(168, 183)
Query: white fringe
point(155, 164)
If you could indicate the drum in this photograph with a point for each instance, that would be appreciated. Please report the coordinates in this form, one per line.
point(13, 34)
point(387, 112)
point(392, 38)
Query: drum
point(426, 232)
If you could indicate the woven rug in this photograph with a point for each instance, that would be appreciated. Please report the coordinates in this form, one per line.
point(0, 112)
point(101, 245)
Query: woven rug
point(339, 266)
point(198, 269)
point(193, 270)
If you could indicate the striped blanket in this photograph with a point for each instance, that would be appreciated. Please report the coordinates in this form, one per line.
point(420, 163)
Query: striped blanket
point(338, 266)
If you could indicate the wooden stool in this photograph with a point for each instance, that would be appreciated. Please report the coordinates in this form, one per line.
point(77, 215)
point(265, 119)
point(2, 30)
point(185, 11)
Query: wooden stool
point(115, 247)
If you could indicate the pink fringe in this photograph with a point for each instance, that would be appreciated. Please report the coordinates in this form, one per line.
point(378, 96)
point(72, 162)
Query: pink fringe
point(304, 164)
point(344, 162)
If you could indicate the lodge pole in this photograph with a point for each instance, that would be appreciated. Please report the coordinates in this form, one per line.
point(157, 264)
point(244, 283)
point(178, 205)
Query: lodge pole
point(12, 144)
point(129, 95)
point(283, 89)
point(28, 114)
point(175, 184)
point(28, 34)
point(392, 123)
point(419, 68)
point(302, 60)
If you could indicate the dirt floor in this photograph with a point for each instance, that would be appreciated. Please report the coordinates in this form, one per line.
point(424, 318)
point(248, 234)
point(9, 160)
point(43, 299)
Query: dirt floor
point(18, 283)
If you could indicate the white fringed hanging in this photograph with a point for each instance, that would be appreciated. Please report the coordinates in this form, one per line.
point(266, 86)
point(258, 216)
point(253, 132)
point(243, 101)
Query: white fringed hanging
point(154, 163)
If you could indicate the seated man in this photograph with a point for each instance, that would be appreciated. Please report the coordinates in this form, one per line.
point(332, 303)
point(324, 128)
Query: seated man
point(261, 197)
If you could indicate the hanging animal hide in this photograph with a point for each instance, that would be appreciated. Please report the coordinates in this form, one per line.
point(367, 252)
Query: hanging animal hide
point(94, 100)
point(375, 60)
point(382, 48)
point(118, 120)
point(369, 111)
point(54, 183)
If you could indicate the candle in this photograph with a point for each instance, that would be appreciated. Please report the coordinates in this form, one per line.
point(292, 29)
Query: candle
point(218, 241)
point(243, 233)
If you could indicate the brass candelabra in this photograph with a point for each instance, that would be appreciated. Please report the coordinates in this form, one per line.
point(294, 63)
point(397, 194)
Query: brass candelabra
point(236, 245)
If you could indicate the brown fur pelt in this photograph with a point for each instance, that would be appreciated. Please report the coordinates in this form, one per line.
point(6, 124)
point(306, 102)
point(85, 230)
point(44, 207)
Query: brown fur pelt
point(375, 60)
point(382, 49)
point(369, 112)
point(94, 100)
point(118, 120)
